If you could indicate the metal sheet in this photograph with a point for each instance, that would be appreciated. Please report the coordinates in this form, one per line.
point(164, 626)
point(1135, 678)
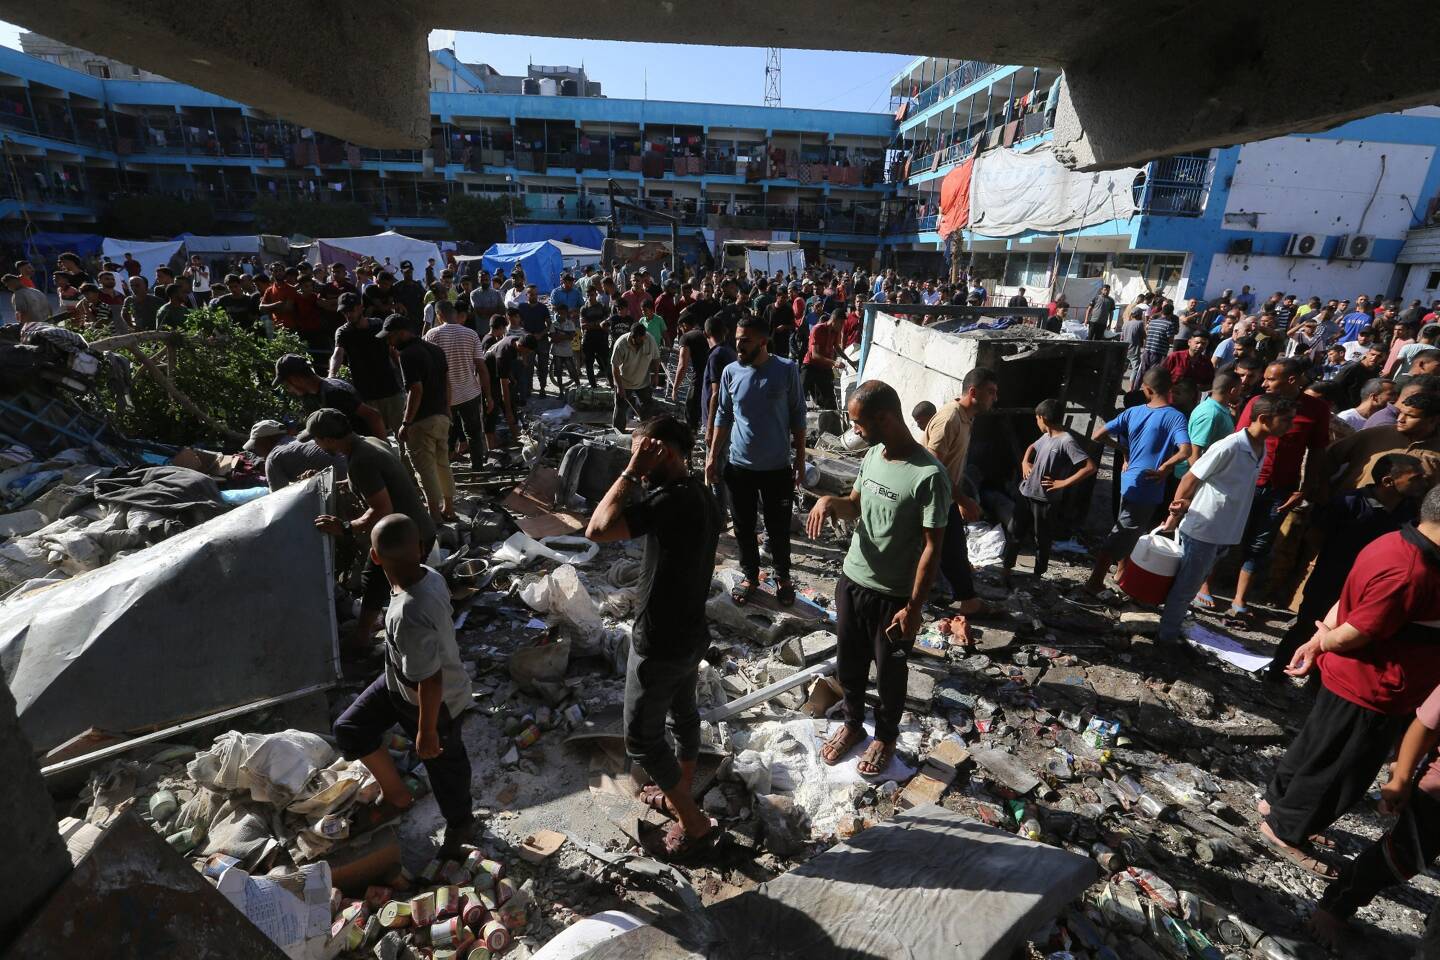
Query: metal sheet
point(233, 610)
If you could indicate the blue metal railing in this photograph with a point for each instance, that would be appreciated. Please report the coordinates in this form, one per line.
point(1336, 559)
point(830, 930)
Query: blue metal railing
point(1175, 186)
point(962, 76)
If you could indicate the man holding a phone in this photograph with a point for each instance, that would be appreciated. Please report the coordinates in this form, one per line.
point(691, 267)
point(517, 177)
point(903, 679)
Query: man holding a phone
point(900, 505)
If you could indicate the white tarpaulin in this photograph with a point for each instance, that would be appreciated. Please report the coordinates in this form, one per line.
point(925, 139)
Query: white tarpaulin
point(1012, 192)
point(388, 246)
point(150, 255)
point(767, 260)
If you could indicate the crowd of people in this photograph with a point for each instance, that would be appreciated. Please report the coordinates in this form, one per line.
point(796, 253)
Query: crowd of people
point(1292, 445)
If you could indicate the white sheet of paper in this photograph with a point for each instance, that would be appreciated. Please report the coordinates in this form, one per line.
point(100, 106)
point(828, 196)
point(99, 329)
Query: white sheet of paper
point(1225, 647)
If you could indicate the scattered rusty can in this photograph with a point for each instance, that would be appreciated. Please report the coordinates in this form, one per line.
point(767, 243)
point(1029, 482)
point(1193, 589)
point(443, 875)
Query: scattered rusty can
point(495, 936)
point(395, 914)
point(377, 897)
point(449, 933)
point(478, 951)
point(422, 910)
point(473, 860)
point(454, 873)
point(163, 806)
point(444, 953)
point(504, 889)
point(447, 902)
point(528, 736)
point(349, 933)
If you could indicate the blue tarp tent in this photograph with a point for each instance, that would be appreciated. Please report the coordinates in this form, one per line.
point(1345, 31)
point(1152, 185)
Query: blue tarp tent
point(541, 262)
point(577, 234)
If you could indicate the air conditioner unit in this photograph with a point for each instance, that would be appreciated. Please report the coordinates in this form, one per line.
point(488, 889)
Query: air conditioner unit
point(1355, 246)
point(1304, 245)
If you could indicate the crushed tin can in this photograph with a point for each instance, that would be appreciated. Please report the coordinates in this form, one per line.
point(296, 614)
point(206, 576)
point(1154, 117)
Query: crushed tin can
point(447, 902)
point(422, 910)
point(163, 806)
point(528, 736)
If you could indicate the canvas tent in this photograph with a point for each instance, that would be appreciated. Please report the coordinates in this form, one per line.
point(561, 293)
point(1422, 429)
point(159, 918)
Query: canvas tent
point(577, 234)
point(220, 246)
point(391, 246)
point(541, 261)
point(150, 254)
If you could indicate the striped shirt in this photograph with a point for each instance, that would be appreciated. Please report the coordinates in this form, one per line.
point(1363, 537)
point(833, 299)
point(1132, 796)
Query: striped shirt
point(462, 350)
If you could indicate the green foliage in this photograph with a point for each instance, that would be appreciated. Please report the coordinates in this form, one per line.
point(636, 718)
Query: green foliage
point(312, 219)
point(480, 220)
point(152, 216)
point(225, 369)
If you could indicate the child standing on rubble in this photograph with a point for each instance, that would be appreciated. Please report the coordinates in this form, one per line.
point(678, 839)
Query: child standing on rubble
point(1049, 465)
point(424, 689)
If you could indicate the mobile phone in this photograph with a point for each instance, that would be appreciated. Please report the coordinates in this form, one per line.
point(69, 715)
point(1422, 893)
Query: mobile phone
point(893, 633)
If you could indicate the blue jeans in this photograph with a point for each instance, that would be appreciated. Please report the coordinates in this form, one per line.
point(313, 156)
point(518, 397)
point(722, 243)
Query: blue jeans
point(1197, 559)
point(1262, 526)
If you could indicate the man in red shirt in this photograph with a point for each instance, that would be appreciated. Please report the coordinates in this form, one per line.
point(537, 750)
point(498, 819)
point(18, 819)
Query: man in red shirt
point(1192, 364)
point(854, 323)
point(669, 305)
point(1278, 490)
point(1378, 652)
point(635, 296)
point(822, 359)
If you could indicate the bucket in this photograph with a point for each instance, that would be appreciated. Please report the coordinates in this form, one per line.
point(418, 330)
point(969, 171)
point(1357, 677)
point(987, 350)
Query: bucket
point(1150, 569)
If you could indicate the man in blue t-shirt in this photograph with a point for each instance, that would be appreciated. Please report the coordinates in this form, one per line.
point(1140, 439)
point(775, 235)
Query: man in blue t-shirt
point(1156, 441)
point(759, 450)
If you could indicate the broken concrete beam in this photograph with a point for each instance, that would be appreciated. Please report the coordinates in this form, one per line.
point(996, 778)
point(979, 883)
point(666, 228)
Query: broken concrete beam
point(837, 475)
point(1007, 769)
point(811, 648)
point(755, 623)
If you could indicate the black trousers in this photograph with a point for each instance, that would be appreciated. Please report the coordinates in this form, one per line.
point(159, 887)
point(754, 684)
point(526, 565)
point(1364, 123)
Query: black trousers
point(861, 616)
point(596, 355)
point(1404, 850)
point(1030, 516)
point(637, 400)
point(774, 490)
point(1330, 765)
point(360, 730)
point(819, 385)
point(467, 422)
point(955, 557)
point(692, 405)
point(655, 688)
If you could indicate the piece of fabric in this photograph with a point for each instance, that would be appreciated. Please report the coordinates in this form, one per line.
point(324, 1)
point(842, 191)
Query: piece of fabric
point(368, 358)
point(899, 500)
point(540, 261)
point(1012, 192)
point(679, 523)
point(955, 197)
point(167, 489)
point(955, 564)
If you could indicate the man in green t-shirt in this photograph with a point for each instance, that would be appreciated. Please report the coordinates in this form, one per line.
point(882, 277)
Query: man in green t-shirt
point(900, 504)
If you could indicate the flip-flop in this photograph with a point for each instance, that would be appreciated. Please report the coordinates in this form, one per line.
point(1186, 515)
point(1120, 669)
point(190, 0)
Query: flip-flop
point(742, 592)
point(1240, 615)
point(679, 847)
point(1304, 861)
point(840, 744)
point(1205, 602)
point(879, 764)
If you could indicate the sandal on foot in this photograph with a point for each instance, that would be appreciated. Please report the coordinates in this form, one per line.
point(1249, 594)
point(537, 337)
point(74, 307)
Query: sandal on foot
point(785, 593)
point(1205, 602)
point(1300, 858)
point(680, 847)
point(654, 798)
point(877, 757)
point(840, 744)
point(742, 592)
point(1240, 614)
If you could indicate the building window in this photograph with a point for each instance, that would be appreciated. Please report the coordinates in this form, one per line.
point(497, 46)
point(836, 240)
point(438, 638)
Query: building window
point(1434, 280)
point(98, 69)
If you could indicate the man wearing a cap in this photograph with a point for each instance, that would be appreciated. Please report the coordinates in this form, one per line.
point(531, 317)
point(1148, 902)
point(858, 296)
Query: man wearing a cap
point(409, 294)
point(386, 486)
point(425, 429)
point(287, 458)
point(371, 367)
point(298, 377)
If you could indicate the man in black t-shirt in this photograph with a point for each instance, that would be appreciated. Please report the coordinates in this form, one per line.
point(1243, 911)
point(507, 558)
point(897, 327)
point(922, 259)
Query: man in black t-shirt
point(298, 377)
point(243, 308)
point(680, 522)
point(425, 428)
point(595, 334)
point(409, 293)
point(694, 351)
point(371, 366)
point(1099, 312)
point(535, 318)
point(508, 363)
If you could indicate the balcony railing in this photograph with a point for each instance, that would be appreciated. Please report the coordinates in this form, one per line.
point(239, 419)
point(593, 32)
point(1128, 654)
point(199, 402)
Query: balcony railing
point(962, 76)
point(1175, 186)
